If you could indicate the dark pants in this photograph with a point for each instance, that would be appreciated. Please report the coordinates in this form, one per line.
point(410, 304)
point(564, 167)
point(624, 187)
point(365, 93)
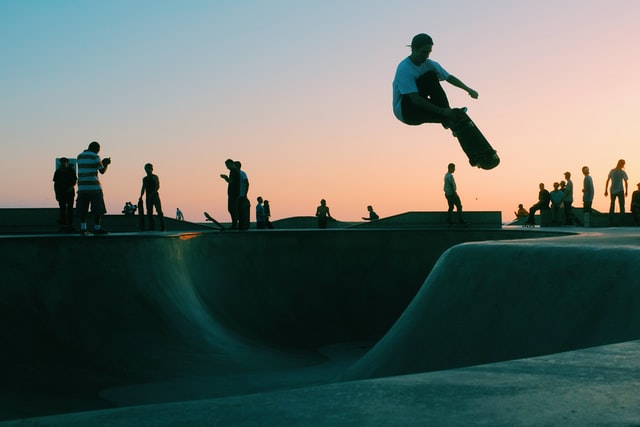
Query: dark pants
point(244, 209)
point(429, 88)
point(232, 206)
point(532, 211)
point(586, 207)
point(152, 202)
point(66, 209)
point(454, 200)
point(568, 214)
point(620, 197)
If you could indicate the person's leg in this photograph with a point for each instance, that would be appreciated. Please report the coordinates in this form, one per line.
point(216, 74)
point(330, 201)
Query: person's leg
point(158, 204)
point(150, 206)
point(429, 88)
point(458, 204)
point(450, 204)
point(621, 202)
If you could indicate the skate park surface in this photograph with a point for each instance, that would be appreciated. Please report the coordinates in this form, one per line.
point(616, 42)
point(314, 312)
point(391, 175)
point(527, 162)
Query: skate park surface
point(347, 326)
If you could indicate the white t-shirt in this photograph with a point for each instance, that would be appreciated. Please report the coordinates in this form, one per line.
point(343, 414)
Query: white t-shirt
point(405, 80)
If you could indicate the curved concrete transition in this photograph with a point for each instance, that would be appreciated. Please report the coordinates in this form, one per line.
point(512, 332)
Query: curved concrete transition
point(493, 301)
point(116, 321)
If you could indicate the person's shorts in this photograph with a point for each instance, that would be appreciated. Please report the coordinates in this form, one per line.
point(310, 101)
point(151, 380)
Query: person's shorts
point(94, 199)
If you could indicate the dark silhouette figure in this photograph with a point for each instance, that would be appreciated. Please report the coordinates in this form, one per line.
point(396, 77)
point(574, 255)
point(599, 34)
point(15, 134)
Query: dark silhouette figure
point(64, 182)
point(543, 203)
point(151, 185)
point(267, 215)
point(323, 214)
point(635, 205)
point(373, 216)
point(617, 175)
point(418, 96)
point(521, 212)
point(233, 191)
point(244, 206)
point(260, 218)
point(451, 194)
point(556, 196)
point(129, 209)
point(588, 192)
point(89, 188)
point(568, 199)
point(179, 215)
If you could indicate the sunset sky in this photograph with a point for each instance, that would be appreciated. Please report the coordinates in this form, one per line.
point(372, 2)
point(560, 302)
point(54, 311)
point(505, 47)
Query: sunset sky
point(300, 93)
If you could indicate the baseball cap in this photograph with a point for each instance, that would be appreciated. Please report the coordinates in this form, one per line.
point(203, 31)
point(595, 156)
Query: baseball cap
point(420, 40)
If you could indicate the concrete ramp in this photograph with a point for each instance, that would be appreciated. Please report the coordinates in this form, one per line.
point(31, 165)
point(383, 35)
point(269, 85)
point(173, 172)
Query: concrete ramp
point(496, 301)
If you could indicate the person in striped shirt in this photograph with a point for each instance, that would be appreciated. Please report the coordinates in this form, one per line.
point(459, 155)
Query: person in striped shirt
point(89, 188)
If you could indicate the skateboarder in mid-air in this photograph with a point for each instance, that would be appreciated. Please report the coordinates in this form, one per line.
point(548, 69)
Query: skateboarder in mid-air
point(418, 97)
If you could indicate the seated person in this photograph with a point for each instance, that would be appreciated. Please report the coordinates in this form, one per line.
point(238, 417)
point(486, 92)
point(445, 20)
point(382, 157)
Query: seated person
point(543, 203)
point(521, 212)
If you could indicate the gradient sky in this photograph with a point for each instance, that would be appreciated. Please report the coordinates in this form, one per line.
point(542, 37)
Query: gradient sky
point(300, 93)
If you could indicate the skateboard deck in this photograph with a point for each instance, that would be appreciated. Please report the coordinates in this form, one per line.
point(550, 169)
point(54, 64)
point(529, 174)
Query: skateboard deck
point(216, 223)
point(474, 144)
point(141, 214)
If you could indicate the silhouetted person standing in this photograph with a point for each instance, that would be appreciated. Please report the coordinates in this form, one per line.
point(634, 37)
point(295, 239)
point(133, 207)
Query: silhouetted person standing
point(260, 219)
point(451, 194)
point(151, 185)
point(244, 206)
point(587, 196)
point(233, 191)
point(568, 199)
point(617, 176)
point(90, 189)
point(64, 182)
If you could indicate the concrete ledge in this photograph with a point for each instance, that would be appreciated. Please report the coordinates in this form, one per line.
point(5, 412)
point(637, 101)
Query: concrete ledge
point(476, 219)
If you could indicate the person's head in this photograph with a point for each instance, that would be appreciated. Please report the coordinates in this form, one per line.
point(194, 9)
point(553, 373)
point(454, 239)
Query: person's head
point(556, 185)
point(585, 170)
point(620, 164)
point(259, 199)
point(230, 164)
point(541, 185)
point(148, 168)
point(369, 208)
point(238, 165)
point(520, 206)
point(638, 184)
point(323, 202)
point(451, 167)
point(266, 202)
point(94, 146)
point(567, 175)
point(421, 46)
point(64, 162)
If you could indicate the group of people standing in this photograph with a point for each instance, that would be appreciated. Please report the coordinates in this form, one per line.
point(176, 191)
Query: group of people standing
point(90, 195)
point(560, 199)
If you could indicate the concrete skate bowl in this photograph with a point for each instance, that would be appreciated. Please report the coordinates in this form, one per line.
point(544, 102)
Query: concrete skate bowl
point(108, 321)
point(518, 300)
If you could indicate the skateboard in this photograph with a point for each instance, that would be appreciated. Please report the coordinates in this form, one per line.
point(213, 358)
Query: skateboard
point(216, 223)
point(473, 142)
point(140, 214)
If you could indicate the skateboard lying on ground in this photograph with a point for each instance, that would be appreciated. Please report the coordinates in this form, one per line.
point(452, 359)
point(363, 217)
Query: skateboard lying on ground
point(473, 143)
point(216, 223)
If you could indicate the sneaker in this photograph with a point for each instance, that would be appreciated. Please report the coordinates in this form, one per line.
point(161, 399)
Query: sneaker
point(100, 231)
